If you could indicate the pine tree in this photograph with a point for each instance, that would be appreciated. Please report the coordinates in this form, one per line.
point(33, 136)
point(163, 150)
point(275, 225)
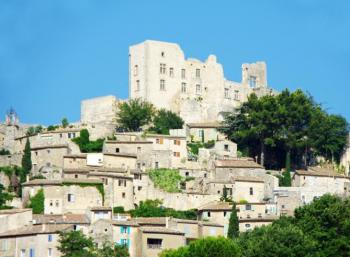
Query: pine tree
point(27, 158)
point(233, 227)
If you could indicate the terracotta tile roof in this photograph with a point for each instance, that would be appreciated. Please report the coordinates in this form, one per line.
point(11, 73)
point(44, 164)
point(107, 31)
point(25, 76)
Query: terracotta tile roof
point(61, 219)
point(204, 125)
point(13, 211)
point(128, 155)
point(48, 147)
point(36, 182)
point(237, 164)
point(128, 142)
point(81, 156)
point(158, 230)
point(37, 229)
point(320, 172)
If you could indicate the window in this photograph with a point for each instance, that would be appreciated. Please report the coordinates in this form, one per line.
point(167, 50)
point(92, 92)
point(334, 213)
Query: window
point(48, 151)
point(136, 70)
point(154, 243)
point(225, 214)
point(61, 135)
point(177, 142)
point(139, 165)
point(208, 214)
point(183, 73)
point(162, 54)
point(248, 207)
point(139, 188)
point(201, 133)
point(162, 68)
point(252, 81)
point(123, 195)
point(49, 238)
point(124, 241)
point(23, 253)
point(76, 176)
point(31, 252)
point(4, 245)
point(139, 149)
point(51, 203)
point(187, 174)
point(176, 154)
point(226, 147)
point(137, 85)
point(117, 150)
point(71, 198)
point(226, 93)
point(247, 225)
point(124, 230)
point(251, 191)
point(236, 95)
point(198, 73)
point(57, 203)
point(198, 89)
point(122, 182)
point(156, 165)
point(159, 141)
point(171, 72)
point(36, 153)
point(183, 87)
point(162, 85)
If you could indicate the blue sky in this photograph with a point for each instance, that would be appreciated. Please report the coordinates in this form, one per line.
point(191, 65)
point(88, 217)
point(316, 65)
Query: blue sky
point(53, 54)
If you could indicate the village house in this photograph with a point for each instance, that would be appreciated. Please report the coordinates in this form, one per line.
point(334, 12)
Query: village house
point(203, 132)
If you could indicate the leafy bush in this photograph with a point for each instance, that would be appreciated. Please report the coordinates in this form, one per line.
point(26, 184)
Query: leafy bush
point(4, 152)
point(166, 120)
point(87, 146)
point(166, 179)
point(153, 208)
point(194, 146)
point(52, 127)
point(118, 209)
point(37, 202)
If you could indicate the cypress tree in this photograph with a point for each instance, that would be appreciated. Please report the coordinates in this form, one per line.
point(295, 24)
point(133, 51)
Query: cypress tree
point(233, 226)
point(27, 158)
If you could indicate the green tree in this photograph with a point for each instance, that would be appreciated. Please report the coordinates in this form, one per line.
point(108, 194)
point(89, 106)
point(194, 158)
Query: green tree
point(4, 152)
point(27, 158)
point(107, 250)
point(87, 146)
point(327, 221)
point(65, 122)
point(233, 227)
point(134, 114)
point(37, 202)
point(76, 244)
point(165, 120)
point(206, 247)
point(4, 197)
point(277, 240)
point(30, 131)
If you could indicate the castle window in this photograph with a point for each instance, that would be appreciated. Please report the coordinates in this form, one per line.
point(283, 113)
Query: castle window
point(162, 85)
point(136, 70)
point(226, 93)
point(137, 85)
point(183, 73)
point(162, 68)
point(183, 87)
point(198, 73)
point(252, 81)
point(171, 72)
point(236, 95)
point(198, 89)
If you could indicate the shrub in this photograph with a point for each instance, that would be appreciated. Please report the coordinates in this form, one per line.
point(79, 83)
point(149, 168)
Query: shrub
point(166, 179)
point(37, 202)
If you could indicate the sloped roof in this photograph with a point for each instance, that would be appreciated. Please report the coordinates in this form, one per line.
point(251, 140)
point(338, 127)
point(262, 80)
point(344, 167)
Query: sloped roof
point(320, 172)
point(239, 163)
point(158, 230)
point(37, 229)
point(61, 218)
point(204, 125)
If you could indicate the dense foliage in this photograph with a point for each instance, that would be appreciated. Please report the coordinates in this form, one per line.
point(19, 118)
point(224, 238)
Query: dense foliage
point(4, 152)
point(166, 179)
point(233, 226)
point(290, 129)
point(4, 197)
point(165, 120)
point(65, 122)
point(16, 175)
point(37, 202)
point(27, 158)
point(207, 247)
point(194, 146)
point(76, 244)
point(134, 114)
point(87, 146)
point(31, 131)
point(319, 229)
point(153, 208)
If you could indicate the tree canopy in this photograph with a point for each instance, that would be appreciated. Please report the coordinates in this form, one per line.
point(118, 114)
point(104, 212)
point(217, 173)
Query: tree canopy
point(288, 128)
point(86, 145)
point(27, 158)
point(165, 120)
point(233, 226)
point(134, 114)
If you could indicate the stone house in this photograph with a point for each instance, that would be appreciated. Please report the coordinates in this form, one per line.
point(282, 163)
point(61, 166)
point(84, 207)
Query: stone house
point(203, 132)
point(225, 168)
point(65, 195)
point(32, 240)
point(14, 219)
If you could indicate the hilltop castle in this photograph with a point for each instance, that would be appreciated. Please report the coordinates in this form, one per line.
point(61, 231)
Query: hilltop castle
point(197, 91)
